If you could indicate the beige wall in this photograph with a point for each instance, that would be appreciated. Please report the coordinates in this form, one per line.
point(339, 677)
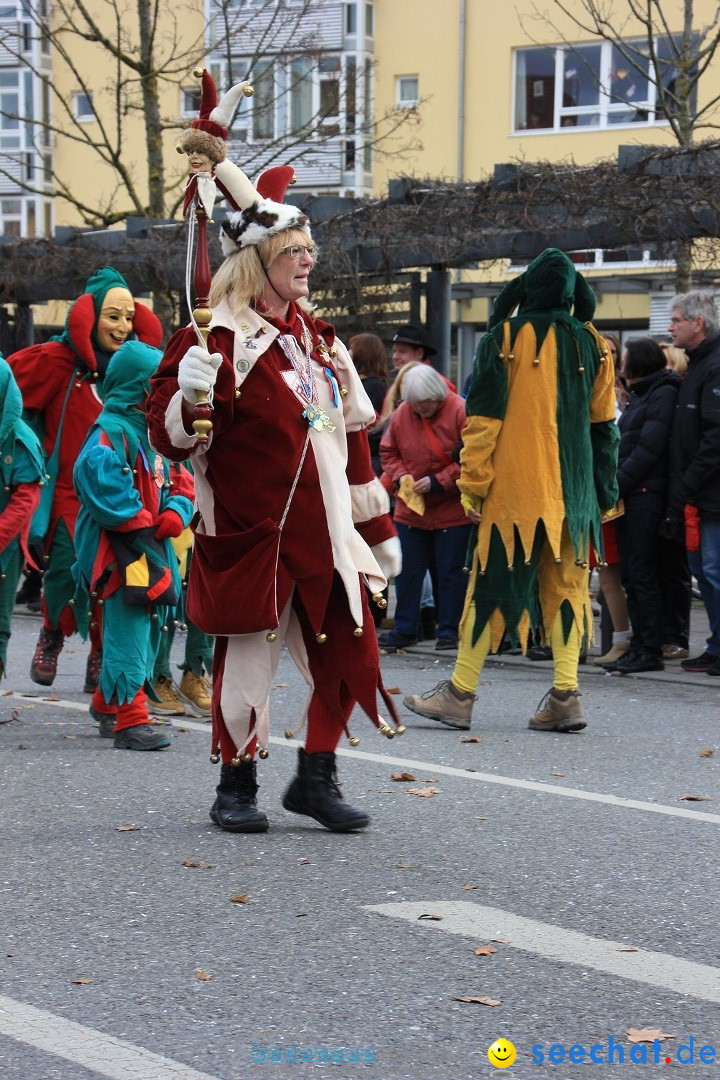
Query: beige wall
point(422, 37)
point(90, 180)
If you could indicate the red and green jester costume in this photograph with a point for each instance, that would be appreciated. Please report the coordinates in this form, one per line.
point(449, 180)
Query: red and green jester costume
point(70, 367)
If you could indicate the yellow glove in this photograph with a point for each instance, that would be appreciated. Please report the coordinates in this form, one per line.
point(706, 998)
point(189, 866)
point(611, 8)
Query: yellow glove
point(471, 502)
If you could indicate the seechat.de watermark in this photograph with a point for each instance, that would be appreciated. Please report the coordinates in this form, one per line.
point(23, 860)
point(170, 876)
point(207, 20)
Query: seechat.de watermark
point(359, 1054)
point(613, 1053)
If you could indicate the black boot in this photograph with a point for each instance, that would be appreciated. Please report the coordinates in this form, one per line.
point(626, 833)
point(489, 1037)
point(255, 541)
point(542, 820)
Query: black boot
point(235, 808)
point(315, 792)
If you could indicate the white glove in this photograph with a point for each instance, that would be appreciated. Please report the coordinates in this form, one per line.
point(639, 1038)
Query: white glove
point(198, 371)
point(388, 556)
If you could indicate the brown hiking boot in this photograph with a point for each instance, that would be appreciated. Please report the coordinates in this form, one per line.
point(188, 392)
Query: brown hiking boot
point(195, 689)
point(443, 703)
point(559, 710)
point(168, 703)
point(43, 668)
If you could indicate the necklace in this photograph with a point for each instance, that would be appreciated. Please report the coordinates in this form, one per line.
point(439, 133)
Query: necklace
point(316, 417)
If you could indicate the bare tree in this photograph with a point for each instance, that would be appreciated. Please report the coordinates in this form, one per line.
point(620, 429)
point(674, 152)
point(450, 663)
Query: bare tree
point(674, 60)
point(123, 60)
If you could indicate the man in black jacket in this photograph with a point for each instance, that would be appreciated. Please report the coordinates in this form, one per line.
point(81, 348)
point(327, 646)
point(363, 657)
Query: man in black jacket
point(695, 454)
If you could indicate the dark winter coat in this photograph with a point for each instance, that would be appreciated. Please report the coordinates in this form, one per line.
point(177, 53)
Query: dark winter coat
point(645, 427)
point(695, 441)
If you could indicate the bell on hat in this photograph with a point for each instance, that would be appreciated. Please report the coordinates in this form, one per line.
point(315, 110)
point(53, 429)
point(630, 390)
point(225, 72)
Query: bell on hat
point(259, 211)
point(208, 133)
point(415, 336)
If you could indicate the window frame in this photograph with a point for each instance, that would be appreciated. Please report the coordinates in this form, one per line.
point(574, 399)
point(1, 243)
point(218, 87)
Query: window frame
point(406, 102)
point(605, 110)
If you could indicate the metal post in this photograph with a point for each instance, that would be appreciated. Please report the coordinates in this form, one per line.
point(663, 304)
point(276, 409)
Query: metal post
point(438, 316)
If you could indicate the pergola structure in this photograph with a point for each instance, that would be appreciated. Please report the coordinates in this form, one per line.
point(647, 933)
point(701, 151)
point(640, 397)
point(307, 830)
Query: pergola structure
point(378, 256)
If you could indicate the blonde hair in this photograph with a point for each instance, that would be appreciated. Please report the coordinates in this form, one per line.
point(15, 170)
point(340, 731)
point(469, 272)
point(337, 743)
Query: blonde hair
point(242, 277)
point(394, 394)
point(675, 358)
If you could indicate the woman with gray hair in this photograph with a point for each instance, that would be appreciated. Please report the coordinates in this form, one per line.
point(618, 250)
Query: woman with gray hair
point(420, 453)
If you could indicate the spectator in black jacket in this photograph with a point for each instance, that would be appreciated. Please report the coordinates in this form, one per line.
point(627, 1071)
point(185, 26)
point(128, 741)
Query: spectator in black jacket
point(695, 455)
point(643, 467)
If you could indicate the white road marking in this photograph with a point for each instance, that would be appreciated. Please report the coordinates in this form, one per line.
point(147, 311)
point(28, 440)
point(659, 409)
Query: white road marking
point(432, 767)
point(84, 1046)
point(567, 946)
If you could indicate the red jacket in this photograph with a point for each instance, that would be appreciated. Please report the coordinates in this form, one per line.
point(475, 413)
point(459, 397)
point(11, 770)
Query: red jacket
point(406, 448)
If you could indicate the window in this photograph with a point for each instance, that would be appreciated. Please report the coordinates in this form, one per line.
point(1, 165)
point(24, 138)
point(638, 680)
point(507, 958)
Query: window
point(190, 101)
point(83, 106)
point(263, 100)
point(588, 85)
point(350, 19)
point(369, 20)
point(329, 75)
point(406, 91)
point(301, 87)
point(10, 217)
point(9, 109)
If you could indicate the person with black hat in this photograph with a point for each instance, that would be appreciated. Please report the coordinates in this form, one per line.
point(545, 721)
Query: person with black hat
point(411, 343)
point(538, 469)
point(60, 381)
point(287, 554)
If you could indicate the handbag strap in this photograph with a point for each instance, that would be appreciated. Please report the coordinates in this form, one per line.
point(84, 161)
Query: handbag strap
point(295, 481)
point(435, 443)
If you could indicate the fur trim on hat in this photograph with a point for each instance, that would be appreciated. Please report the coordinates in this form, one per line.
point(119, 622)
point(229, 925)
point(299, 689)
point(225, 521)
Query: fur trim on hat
point(195, 139)
point(258, 221)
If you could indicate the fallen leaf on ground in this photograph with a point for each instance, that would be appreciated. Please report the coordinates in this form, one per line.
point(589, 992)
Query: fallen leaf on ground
point(50, 697)
point(479, 817)
point(707, 751)
point(406, 866)
point(303, 862)
point(556, 772)
point(403, 776)
point(467, 888)
point(240, 898)
point(646, 1034)
point(478, 1000)
point(694, 798)
point(197, 865)
point(393, 690)
point(432, 918)
point(127, 828)
point(80, 982)
point(626, 948)
point(485, 950)
point(502, 940)
point(471, 738)
point(203, 976)
point(423, 792)
point(69, 736)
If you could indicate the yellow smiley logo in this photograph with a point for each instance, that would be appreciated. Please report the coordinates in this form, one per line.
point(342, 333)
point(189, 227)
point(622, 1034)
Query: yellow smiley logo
point(501, 1054)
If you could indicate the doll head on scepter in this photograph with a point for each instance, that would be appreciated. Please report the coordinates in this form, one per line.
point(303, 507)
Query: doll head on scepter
point(204, 141)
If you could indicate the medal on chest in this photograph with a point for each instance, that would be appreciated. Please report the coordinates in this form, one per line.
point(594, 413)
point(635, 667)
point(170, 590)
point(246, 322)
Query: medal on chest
point(306, 386)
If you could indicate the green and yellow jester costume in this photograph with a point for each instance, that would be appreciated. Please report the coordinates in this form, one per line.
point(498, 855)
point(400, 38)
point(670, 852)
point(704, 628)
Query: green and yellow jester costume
point(539, 453)
point(537, 471)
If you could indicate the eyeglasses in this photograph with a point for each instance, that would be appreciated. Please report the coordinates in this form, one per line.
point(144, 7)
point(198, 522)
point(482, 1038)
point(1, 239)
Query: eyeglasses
point(297, 250)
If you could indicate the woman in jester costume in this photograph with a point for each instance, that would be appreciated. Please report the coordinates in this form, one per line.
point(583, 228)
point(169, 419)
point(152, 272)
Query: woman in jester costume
point(537, 472)
point(129, 511)
point(22, 471)
point(61, 383)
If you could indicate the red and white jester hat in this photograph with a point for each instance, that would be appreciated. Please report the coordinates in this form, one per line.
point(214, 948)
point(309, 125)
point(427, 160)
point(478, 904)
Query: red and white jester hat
point(260, 211)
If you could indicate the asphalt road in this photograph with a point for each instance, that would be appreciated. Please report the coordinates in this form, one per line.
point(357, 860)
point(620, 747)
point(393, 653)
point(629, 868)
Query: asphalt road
point(578, 859)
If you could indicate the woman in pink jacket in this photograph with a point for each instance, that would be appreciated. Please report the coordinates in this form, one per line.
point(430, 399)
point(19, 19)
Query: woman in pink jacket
point(419, 452)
